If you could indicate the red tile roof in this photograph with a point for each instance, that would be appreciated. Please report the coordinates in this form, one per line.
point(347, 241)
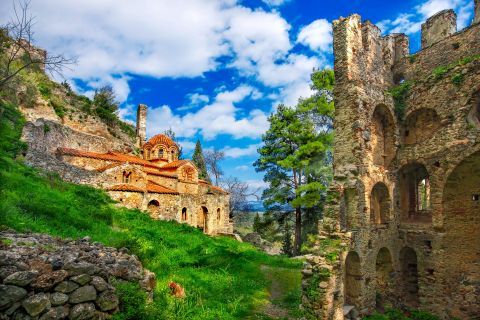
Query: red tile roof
point(175, 164)
point(125, 187)
point(156, 188)
point(109, 156)
point(156, 172)
point(212, 187)
point(160, 139)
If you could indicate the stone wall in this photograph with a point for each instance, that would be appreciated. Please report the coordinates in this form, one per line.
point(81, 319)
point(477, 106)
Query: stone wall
point(405, 195)
point(46, 278)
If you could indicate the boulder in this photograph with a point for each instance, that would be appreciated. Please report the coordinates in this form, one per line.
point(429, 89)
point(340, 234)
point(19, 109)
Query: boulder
point(10, 294)
point(21, 278)
point(56, 313)
point(149, 281)
point(107, 301)
point(81, 279)
point(83, 294)
point(49, 280)
point(66, 286)
point(36, 304)
point(99, 284)
point(58, 298)
point(82, 311)
point(78, 268)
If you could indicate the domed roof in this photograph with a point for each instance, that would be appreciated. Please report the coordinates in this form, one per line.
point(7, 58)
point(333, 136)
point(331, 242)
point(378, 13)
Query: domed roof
point(160, 139)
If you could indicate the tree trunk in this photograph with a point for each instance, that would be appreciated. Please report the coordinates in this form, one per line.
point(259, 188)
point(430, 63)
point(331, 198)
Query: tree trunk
point(298, 232)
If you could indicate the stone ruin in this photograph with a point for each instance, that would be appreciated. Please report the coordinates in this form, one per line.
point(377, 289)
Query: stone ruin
point(47, 278)
point(402, 225)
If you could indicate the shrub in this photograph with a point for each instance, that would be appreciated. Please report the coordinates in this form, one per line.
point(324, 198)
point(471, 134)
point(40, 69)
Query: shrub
point(399, 94)
point(58, 106)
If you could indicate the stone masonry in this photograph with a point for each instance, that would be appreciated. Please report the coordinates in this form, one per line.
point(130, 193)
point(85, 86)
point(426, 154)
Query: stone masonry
point(402, 224)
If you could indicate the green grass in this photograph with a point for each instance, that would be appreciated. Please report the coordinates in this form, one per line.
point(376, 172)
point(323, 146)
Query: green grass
point(222, 277)
point(393, 314)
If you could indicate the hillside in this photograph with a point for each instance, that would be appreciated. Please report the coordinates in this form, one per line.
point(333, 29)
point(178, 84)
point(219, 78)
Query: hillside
point(222, 277)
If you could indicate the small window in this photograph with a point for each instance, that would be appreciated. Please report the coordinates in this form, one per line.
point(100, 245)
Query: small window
point(160, 153)
point(423, 195)
point(184, 214)
point(218, 215)
point(126, 176)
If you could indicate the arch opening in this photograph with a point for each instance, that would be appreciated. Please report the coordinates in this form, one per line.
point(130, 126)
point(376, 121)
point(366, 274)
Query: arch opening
point(380, 204)
point(126, 176)
point(202, 219)
point(154, 207)
point(383, 136)
point(219, 216)
point(461, 210)
point(348, 209)
point(353, 280)
point(184, 214)
point(384, 278)
point(415, 204)
point(409, 277)
point(420, 125)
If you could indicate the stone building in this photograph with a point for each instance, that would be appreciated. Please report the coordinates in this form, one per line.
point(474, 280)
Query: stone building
point(155, 180)
point(402, 224)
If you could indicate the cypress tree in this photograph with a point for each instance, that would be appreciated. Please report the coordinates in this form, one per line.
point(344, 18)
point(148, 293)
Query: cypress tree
point(199, 161)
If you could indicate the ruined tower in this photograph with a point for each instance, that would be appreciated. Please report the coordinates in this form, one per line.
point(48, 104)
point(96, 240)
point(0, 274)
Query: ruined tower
point(476, 19)
point(402, 224)
point(141, 129)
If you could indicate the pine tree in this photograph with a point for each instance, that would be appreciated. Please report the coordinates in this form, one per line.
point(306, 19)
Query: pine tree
point(199, 161)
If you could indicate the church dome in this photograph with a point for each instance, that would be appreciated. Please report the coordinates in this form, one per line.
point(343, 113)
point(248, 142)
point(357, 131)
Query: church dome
point(160, 139)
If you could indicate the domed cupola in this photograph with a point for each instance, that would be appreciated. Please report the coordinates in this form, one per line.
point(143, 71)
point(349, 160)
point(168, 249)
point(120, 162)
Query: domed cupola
point(160, 148)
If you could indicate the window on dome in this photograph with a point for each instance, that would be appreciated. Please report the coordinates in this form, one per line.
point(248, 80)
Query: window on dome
point(126, 176)
point(160, 153)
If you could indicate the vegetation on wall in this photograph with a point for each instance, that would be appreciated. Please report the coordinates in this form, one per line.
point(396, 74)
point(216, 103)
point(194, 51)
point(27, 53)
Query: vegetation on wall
point(222, 277)
point(399, 94)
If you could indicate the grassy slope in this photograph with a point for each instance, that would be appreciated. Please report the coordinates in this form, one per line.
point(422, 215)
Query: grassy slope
point(222, 277)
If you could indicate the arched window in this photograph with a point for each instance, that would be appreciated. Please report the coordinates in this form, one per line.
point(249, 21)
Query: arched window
point(380, 204)
point(184, 214)
point(420, 125)
point(415, 193)
point(382, 136)
point(148, 154)
point(173, 155)
point(154, 208)
point(353, 280)
point(126, 176)
point(160, 153)
point(218, 215)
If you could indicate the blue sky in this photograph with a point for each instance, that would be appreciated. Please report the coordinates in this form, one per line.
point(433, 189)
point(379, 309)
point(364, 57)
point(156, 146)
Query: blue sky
point(211, 69)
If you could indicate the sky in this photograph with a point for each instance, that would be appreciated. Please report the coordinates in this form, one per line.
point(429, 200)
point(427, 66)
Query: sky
point(211, 70)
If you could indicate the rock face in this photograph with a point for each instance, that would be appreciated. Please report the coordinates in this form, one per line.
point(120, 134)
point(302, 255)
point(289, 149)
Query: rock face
point(262, 244)
point(46, 278)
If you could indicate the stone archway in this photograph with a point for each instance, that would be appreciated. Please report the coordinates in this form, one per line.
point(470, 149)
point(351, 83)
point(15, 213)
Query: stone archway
point(384, 278)
point(409, 278)
point(154, 208)
point(202, 219)
point(379, 204)
point(382, 136)
point(353, 280)
point(420, 125)
point(415, 202)
point(461, 210)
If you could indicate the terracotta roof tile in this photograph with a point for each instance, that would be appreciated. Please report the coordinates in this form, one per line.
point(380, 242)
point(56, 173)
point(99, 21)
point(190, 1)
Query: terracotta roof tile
point(110, 156)
point(160, 139)
point(156, 172)
point(175, 164)
point(109, 166)
point(211, 186)
point(156, 188)
point(125, 187)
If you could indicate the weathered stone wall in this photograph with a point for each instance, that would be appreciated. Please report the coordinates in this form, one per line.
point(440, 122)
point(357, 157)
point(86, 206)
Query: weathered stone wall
point(405, 193)
point(141, 128)
point(46, 278)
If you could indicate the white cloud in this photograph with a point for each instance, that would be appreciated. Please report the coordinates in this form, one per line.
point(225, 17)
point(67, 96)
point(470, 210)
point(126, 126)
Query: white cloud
point(197, 98)
point(187, 146)
point(275, 3)
point(219, 117)
point(410, 23)
point(317, 35)
point(235, 152)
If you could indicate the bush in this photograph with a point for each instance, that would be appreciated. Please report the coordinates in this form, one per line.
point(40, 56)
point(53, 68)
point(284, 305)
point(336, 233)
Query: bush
point(58, 106)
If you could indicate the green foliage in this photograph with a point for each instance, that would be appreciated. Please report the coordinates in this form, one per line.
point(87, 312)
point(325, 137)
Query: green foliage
point(199, 161)
point(256, 223)
point(439, 72)
point(132, 301)
point(45, 90)
point(58, 106)
point(296, 153)
point(287, 247)
point(457, 79)
point(399, 94)
point(29, 98)
point(106, 105)
point(412, 58)
point(46, 128)
point(395, 314)
point(221, 276)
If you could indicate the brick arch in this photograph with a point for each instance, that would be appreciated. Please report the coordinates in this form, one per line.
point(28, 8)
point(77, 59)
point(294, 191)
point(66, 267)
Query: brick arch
point(420, 125)
point(461, 222)
point(474, 114)
point(382, 139)
point(353, 284)
point(380, 204)
point(415, 190)
point(384, 278)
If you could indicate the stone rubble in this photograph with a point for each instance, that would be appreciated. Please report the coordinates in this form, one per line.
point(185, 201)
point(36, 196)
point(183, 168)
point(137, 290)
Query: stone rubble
point(42, 277)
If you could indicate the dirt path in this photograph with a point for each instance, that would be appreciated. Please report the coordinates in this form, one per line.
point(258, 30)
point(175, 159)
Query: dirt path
point(282, 282)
